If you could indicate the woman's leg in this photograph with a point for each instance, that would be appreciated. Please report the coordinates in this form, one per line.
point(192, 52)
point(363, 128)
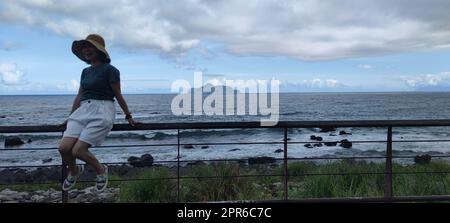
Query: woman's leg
point(81, 151)
point(65, 149)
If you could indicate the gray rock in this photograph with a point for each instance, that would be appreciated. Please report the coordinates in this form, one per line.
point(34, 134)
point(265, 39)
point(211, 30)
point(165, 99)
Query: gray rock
point(146, 160)
point(48, 160)
point(85, 198)
point(38, 198)
point(143, 161)
point(74, 193)
point(309, 146)
point(346, 144)
point(23, 195)
point(4, 198)
point(188, 147)
point(13, 141)
point(422, 160)
point(318, 138)
point(330, 143)
point(232, 150)
point(279, 151)
point(204, 147)
point(107, 197)
point(344, 133)
point(8, 192)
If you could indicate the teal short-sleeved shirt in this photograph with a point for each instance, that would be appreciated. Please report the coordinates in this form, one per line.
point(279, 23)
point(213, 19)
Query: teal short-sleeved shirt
point(96, 82)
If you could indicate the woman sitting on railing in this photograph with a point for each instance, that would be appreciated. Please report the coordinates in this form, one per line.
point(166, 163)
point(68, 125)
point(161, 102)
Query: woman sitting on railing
point(93, 111)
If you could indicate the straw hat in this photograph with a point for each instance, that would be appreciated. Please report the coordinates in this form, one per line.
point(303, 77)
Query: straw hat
point(96, 40)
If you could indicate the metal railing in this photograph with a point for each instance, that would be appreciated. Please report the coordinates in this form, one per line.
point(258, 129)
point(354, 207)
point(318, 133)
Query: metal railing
point(284, 126)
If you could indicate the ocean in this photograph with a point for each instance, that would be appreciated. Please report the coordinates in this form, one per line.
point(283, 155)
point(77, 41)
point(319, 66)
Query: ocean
point(155, 108)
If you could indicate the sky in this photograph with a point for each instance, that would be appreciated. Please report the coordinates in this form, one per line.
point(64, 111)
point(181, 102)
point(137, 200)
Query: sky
point(308, 45)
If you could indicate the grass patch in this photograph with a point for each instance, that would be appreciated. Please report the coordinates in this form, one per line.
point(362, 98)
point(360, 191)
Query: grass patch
point(152, 190)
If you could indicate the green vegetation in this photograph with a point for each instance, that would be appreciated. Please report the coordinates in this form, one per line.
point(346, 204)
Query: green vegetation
point(210, 182)
point(367, 180)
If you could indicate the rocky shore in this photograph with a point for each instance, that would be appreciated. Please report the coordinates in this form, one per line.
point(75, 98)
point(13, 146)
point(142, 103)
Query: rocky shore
point(88, 195)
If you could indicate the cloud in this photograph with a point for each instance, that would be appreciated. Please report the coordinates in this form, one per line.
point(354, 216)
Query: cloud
point(72, 86)
point(306, 30)
point(9, 46)
point(11, 75)
point(440, 81)
point(315, 84)
point(365, 66)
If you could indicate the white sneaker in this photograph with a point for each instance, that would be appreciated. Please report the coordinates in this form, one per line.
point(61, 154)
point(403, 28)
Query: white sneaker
point(102, 180)
point(70, 180)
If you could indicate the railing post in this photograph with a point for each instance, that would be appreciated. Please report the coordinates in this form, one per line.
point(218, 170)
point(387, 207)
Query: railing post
point(64, 194)
point(178, 165)
point(286, 195)
point(388, 177)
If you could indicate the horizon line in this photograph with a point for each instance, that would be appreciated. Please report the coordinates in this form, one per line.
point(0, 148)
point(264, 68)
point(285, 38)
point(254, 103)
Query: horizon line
point(285, 92)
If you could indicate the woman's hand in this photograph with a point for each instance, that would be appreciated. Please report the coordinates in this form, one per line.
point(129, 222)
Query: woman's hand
point(62, 124)
point(132, 122)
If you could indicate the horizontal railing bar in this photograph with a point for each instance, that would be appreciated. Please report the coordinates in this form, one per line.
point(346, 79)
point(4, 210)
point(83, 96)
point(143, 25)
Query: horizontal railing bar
point(241, 125)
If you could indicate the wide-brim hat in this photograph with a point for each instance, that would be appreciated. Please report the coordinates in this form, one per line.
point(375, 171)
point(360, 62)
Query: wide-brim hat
point(96, 40)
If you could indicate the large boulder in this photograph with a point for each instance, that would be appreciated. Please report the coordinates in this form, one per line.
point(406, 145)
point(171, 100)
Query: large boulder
point(144, 161)
point(424, 159)
point(261, 160)
point(13, 141)
point(133, 160)
point(346, 144)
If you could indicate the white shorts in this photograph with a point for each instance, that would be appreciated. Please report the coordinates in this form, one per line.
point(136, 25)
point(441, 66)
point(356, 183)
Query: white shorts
point(92, 121)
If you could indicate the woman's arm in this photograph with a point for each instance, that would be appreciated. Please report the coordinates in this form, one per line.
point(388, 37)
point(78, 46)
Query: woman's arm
point(118, 94)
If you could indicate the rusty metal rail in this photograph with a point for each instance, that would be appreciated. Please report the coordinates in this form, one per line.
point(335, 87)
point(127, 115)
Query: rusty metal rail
point(283, 126)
